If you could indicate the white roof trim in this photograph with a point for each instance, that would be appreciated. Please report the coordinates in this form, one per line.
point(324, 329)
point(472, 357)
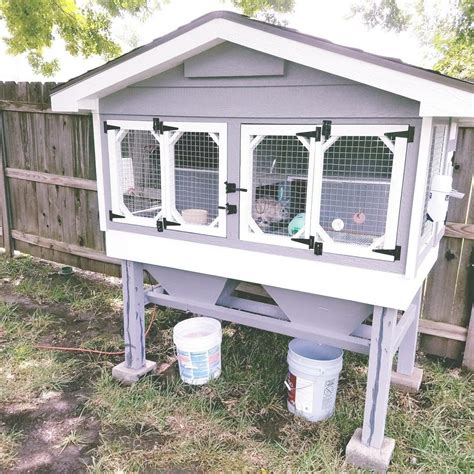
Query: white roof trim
point(437, 100)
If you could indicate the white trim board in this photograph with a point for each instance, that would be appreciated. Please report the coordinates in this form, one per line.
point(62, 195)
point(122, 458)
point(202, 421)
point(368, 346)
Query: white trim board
point(327, 279)
point(435, 99)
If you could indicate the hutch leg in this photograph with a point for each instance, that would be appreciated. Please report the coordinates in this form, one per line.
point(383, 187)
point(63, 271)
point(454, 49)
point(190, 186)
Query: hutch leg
point(368, 448)
point(135, 364)
point(408, 377)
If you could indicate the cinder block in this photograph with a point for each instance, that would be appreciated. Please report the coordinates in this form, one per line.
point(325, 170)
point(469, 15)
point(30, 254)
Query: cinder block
point(408, 383)
point(129, 376)
point(360, 455)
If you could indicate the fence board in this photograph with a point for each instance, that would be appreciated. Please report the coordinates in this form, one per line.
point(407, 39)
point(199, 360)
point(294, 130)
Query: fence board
point(447, 286)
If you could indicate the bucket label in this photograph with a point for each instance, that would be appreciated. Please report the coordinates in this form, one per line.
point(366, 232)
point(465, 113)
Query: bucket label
point(301, 393)
point(291, 385)
point(199, 367)
point(330, 388)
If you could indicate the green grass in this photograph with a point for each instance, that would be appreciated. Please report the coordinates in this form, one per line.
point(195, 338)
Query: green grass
point(9, 444)
point(238, 422)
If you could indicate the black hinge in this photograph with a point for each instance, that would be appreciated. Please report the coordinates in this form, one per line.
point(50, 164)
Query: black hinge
point(108, 127)
point(164, 223)
point(408, 134)
point(316, 134)
point(232, 188)
point(113, 216)
point(230, 208)
point(326, 128)
point(160, 127)
point(309, 242)
point(395, 253)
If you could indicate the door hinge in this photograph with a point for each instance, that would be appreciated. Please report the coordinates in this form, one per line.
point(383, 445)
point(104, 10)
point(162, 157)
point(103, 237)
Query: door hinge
point(312, 244)
point(232, 188)
point(316, 134)
point(108, 127)
point(395, 253)
point(113, 216)
point(326, 128)
point(163, 224)
point(309, 242)
point(160, 127)
point(408, 134)
point(229, 208)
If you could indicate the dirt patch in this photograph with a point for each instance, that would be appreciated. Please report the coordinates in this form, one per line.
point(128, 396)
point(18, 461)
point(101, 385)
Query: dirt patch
point(56, 434)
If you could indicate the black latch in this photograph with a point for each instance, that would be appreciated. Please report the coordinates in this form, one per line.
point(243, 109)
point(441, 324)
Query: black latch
point(113, 216)
point(408, 134)
point(230, 208)
point(316, 134)
point(160, 127)
point(309, 242)
point(164, 223)
point(108, 127)
point(318, 248)
point(326, 128)
point(232, 188)
point(395, 253)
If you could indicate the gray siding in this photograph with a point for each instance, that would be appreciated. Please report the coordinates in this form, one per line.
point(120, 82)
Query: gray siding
point(231, 60)
point(300, 92)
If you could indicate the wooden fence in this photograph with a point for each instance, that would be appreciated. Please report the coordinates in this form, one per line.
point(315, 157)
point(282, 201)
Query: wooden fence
point(49, 205)
point(47, 180)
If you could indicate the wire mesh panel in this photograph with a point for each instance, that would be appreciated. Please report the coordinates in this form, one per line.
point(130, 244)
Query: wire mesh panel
point(279, 179)
point(140, 173)
point(355, 191)
point(196, 176)
point(436, 154)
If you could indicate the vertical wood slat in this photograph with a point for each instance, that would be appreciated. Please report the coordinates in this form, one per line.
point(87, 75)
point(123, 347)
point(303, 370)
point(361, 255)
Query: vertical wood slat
point(446, 295)
point(5, 204)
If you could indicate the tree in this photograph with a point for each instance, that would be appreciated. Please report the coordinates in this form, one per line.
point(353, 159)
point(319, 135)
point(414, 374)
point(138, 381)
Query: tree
point(85, 26)
point(445, 26)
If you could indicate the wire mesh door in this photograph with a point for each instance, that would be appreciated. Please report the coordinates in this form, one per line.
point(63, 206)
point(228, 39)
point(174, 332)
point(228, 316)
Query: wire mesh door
point(135, 164)
point(357, 206)
point(195, 172)
point(275, 170)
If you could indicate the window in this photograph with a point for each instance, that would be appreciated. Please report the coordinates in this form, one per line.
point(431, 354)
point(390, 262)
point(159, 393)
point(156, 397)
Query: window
point(344, 191)
point(178, 175)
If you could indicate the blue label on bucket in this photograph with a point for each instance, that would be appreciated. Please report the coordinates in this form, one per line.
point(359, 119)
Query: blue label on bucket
point(199, 367)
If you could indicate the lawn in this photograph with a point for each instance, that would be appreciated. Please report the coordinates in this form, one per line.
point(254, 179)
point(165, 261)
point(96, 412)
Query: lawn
point(62, 411)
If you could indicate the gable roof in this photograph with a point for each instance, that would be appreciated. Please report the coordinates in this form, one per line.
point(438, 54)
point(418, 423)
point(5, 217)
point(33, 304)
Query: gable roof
point(217, 27)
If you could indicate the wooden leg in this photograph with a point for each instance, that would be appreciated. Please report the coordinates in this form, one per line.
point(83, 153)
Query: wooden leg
point(407, 349)
point(378, 379)
point(135, 364)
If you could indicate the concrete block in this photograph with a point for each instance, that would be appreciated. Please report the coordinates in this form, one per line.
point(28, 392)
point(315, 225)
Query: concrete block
point(129, 376)
point(407, 383)
point(360, 455)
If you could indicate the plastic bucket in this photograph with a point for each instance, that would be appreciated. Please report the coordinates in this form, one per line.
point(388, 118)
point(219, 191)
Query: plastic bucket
point(198, 346)
point(313, 374)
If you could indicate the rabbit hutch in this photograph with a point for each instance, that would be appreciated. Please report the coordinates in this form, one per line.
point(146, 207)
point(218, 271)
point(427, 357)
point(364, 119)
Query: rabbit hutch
point(235, 153)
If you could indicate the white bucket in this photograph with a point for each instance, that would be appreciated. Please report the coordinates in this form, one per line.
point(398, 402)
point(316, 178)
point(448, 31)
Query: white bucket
point(198, 346)
point(312, 379)
point(195, 216)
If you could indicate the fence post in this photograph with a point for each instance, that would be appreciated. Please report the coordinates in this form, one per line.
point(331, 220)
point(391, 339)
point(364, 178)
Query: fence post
point(4, 194)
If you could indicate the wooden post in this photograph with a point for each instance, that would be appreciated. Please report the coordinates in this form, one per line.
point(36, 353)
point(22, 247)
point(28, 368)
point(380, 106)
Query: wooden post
point(4, 194)
point(135, 364)
point(378, 378)
point(407, 349)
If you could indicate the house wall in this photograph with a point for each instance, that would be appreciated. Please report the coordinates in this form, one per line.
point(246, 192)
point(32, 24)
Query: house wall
point(301, 95)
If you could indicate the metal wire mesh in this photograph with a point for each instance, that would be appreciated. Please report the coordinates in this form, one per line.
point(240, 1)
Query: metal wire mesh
point(355, 189)
point(140, 173)
point(196, 156)
point(280, 176)
point(436, 154)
